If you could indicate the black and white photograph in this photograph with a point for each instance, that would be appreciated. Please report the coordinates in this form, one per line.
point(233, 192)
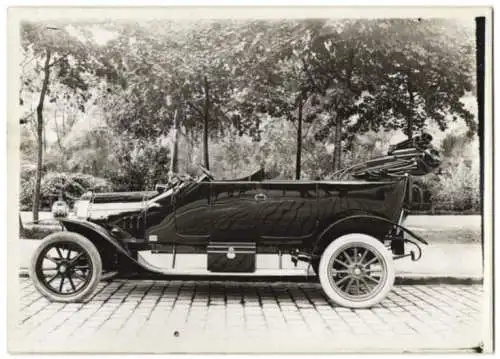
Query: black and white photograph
point(249, 180)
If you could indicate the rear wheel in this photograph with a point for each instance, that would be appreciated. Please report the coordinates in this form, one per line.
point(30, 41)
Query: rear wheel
point(356, 271)
point(66, 267)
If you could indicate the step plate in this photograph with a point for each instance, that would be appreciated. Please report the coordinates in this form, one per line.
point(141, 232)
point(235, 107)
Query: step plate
point(196, 264)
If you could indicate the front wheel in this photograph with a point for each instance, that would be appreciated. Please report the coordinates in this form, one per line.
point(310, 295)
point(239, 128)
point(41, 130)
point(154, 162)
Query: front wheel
point(66, 267)
point(356, 271)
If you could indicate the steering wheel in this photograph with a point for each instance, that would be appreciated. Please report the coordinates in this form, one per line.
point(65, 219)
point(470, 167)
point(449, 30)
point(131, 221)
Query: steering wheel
point(207, 173)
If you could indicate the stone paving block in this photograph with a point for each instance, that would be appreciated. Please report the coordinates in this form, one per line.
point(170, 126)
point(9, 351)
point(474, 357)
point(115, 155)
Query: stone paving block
point(142, 310)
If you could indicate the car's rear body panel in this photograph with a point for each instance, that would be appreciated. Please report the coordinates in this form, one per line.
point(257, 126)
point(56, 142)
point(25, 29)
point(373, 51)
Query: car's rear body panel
point(270, 212)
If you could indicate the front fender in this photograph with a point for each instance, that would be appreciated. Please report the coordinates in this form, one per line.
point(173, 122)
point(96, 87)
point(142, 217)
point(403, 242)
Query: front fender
point(112, 252)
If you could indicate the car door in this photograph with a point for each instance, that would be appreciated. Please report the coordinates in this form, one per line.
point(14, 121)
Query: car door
point(288, 212)
point(193, 213)
point(235, 211)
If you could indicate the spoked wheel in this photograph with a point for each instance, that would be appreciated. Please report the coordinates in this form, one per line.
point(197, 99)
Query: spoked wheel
point(356, 271)
point(66, 267)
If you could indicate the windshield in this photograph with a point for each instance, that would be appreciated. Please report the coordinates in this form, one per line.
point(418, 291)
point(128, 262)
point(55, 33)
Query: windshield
point(181, 183)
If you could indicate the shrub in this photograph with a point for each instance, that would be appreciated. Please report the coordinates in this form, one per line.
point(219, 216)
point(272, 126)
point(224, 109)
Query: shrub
point(458, 188)
point(71, 185)
point(38, 231)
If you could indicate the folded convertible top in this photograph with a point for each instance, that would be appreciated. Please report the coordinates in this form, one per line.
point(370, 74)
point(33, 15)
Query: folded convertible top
point(416, 157)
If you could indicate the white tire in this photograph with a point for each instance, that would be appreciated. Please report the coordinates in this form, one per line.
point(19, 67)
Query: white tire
point(356, 271)
point(66, 267)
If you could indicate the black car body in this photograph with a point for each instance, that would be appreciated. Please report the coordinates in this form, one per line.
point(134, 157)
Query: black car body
point(229, 225)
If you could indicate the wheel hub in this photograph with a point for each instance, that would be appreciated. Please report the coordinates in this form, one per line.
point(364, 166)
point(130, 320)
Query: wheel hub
point(357, 271)
point(63, 268)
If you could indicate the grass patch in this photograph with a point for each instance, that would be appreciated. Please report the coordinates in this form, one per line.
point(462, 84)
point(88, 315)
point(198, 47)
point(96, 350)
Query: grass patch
point(39, 231)
point(43, 222)
point(451, 235)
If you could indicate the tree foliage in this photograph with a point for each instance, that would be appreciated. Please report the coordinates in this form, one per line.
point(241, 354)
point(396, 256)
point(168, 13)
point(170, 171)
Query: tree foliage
point(296, 96)
point(425, 68)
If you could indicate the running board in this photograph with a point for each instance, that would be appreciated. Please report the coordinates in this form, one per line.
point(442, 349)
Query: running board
point(196, 265)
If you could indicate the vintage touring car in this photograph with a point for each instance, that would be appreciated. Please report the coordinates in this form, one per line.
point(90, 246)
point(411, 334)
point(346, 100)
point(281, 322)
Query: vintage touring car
point(348, 232)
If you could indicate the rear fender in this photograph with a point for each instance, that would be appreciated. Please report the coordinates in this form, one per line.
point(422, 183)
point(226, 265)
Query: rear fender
point(372, 225)
point(113, 254)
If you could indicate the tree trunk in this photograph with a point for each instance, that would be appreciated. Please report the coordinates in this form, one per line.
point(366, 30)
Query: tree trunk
point(174, 166)
point(299, 143)
point(205, 125)
point(337, 152)
point(39, 117)
point(44, 139)
point(190, 147)
point(58, 134)
point(21, 227)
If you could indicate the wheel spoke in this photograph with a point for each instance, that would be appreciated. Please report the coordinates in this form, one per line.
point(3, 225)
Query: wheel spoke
point(54, 277)
point(49, 268)
point(342, 263)
point(81, 266)
point(82, 269)
point(61, 284)
point(347, 257)
point(74, 259)
point(342, 280)
point(371, 278)
point(59, 253)
point(79, 276)
point(52, 259)
point(68, 256)
point(72, 284)
point(348, 286)
point(357, 286)
point(374, 259)
point(355, 254)
point(341, 271)
point(363, 257)
point(366, 285)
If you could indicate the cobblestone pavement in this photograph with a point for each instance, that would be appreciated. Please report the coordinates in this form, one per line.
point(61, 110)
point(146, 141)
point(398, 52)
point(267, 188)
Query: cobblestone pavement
point(207, 316)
